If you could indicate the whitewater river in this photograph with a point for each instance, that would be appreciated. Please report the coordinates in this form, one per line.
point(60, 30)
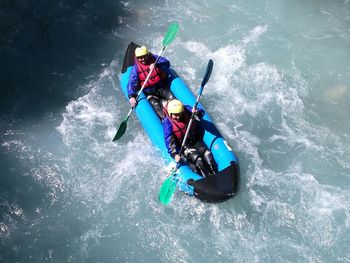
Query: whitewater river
point(279, 93)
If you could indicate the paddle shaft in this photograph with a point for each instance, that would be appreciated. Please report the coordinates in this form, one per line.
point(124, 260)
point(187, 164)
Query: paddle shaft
point(191, 120)
point(148, 76)
point(169, 37)
point(122, 126)
point(188, 130)
point(204, 81)
point(168, 189)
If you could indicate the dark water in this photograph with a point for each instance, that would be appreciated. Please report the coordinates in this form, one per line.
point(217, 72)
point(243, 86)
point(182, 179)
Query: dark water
point(48, 50)
point(49, 47)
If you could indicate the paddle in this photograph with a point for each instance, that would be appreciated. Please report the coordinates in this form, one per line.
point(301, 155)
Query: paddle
point(169, 186)
point(168, 38)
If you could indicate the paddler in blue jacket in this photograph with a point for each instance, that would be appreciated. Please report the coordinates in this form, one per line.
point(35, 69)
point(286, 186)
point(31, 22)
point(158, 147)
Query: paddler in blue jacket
point(196, 153)
point(156, 89)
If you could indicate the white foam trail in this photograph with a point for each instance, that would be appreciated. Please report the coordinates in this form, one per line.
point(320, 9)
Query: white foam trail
point(255, 34)
point(89, 113)
point(259, 90)
point(226, 61)
point(110, 169)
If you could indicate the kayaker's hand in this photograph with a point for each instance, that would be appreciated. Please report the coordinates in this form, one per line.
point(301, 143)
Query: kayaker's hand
point(177, 158)
point(132, 102)
point(152, 66)
point(195, 114)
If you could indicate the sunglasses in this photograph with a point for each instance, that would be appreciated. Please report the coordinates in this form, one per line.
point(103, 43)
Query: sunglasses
point(142, 57)
point(177, 114)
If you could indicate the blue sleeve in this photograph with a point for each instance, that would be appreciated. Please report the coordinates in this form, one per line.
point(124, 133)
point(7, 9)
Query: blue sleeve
point(169, 138)
point(133, 84)
point(163, 63)
point(200, 113)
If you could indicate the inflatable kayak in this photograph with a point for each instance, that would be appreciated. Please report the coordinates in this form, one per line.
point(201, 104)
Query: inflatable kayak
point(212, 188)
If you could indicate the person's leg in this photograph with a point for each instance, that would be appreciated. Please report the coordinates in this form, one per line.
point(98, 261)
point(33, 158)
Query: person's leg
point(196, 161)
point(207, 156)
point(159, 98)
point(157, 105)
point(166, 94)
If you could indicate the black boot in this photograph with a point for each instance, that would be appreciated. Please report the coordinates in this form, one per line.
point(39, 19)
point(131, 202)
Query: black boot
point(211, 164)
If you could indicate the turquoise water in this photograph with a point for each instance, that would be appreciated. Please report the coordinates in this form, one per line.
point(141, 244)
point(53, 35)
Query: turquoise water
point(279, 92)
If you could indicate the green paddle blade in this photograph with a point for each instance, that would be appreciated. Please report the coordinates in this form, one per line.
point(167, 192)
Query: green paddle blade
point(121, 131)
point(170, 34)
point(167, 190)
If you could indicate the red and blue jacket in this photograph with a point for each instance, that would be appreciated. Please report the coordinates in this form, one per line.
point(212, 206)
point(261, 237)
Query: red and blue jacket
point(174, 131)
point(139, 73)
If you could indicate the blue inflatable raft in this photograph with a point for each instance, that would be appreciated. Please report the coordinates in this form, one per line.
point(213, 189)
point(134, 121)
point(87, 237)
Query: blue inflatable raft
point(215, 188)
